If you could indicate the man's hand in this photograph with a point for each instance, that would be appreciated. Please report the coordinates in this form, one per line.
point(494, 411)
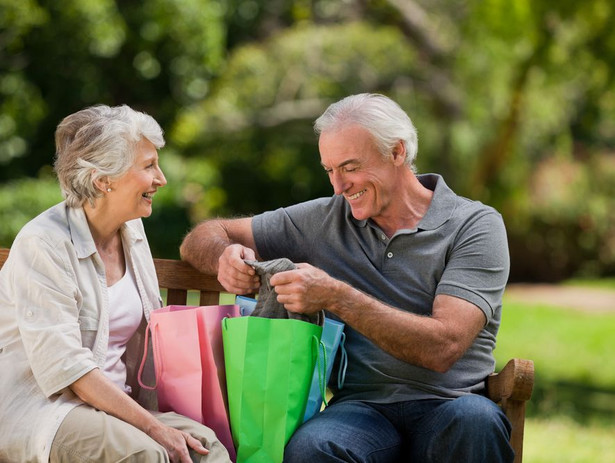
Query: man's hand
point(234, 274)
point(306, 289)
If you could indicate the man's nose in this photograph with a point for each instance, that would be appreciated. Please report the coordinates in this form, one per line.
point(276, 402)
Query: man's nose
point(339, 182)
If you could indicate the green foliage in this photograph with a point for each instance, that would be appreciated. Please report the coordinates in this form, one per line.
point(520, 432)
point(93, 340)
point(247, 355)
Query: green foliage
point(509, 98)
point(280, 80)
point(21, 104)
point(564, 225)
point(21, 200)
point(61, 56)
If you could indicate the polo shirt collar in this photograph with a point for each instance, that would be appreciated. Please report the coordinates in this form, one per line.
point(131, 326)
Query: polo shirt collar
point(442, 204)
point(440, 210)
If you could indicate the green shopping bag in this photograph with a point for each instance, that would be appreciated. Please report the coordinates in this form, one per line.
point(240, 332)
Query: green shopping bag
point(269, 366)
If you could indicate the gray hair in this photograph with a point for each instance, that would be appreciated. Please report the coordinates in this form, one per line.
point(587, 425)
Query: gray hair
point(98, 142)
point(378, 114)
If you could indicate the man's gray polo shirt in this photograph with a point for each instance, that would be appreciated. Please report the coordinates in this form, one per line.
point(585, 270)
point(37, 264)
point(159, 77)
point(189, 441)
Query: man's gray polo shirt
point(459, 248)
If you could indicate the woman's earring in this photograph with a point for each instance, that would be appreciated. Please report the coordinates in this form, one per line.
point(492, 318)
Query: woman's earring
point(109, 190)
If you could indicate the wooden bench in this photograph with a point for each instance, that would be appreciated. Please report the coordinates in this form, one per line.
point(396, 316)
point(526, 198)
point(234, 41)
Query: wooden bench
point(511, 388)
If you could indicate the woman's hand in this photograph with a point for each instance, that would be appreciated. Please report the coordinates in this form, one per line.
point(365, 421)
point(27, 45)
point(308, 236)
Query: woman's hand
point(95, 389)
point(176, 443)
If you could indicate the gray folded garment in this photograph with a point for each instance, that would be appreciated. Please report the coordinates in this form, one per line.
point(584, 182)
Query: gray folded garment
point(267, 305)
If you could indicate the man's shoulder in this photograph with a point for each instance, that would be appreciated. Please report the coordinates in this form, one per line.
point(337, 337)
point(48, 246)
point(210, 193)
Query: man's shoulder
point(473, 210)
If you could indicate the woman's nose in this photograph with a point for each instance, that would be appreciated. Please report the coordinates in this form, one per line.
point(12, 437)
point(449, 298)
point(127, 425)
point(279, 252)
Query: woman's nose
point(160, 178)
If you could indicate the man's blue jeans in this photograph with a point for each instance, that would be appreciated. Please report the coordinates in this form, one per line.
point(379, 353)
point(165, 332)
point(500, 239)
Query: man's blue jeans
point(465, 430)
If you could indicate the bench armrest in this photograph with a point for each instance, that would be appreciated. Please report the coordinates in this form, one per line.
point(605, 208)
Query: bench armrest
point(514, 382)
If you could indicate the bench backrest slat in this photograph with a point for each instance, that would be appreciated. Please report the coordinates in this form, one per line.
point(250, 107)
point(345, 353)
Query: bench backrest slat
point(177, 278)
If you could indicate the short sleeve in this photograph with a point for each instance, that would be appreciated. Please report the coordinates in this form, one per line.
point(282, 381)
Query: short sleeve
point(478, 264)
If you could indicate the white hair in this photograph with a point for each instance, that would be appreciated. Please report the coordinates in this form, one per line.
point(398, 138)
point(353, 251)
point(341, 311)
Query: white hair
point(380, 116)
point(98, 142)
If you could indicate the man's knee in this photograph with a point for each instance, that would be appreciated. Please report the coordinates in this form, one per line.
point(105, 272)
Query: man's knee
point(305, 447)
point(471, 428)
point(477, 413)
point(345, 432)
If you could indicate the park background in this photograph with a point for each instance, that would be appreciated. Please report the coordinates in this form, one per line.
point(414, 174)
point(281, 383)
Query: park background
point(514, 102)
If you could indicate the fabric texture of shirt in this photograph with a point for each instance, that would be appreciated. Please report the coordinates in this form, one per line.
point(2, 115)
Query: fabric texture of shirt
point(54, 325)
point(459, 248)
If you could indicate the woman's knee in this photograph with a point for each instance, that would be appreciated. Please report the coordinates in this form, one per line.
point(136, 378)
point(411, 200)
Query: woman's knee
point(90, 435)
point(150, 453)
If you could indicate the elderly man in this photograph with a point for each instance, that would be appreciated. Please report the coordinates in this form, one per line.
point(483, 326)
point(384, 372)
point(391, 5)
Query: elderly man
point(415, 272)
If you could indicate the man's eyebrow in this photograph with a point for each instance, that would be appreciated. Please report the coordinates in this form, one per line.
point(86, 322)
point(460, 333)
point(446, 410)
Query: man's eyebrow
point(345, 163)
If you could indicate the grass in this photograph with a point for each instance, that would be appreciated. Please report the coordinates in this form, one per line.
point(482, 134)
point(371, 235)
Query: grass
point(571, 416)
point(565, 344)
point(563, 440)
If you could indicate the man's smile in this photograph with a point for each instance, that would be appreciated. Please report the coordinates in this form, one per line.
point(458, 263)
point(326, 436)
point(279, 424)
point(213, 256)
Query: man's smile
point(356, 195)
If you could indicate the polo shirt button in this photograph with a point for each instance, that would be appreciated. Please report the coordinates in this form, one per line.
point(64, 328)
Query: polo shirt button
point(29, 313)
point(389, 255)
point(383, 236)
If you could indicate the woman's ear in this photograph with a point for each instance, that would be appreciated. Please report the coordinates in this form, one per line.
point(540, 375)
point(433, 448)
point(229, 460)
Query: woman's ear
point(399, 153)
point(102, 183)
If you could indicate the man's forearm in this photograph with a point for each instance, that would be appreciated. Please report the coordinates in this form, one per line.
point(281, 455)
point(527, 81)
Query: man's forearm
point(434, 342)
point(203, 246)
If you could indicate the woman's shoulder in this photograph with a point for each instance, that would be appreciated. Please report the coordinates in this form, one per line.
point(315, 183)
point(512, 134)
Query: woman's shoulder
point(50, 225)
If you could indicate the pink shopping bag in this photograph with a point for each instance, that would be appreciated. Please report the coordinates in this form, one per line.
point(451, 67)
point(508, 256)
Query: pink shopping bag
point(189, 363)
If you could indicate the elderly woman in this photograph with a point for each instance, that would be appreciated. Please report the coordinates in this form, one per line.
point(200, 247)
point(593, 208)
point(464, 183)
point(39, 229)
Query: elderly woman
point(75, 296)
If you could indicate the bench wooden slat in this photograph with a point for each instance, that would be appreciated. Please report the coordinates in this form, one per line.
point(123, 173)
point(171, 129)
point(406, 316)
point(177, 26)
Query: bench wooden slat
point(178, 274)
point(4, 254)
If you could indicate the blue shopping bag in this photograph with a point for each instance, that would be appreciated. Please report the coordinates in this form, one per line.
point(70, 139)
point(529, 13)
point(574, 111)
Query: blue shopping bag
point(246, 305)
point(333, 338)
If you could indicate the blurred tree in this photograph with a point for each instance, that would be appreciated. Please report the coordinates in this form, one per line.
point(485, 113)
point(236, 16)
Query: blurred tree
point(507, 96)
point(59, 56)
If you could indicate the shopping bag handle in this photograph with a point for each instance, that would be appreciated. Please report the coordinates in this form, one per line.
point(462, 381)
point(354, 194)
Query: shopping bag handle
point(322, 368)
point(341, 373)
point(141, 383)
